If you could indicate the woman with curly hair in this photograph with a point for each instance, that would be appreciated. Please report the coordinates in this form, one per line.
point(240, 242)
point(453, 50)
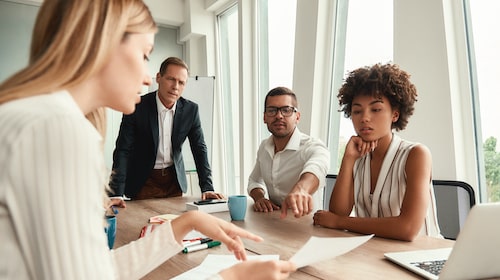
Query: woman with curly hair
point(386, 179)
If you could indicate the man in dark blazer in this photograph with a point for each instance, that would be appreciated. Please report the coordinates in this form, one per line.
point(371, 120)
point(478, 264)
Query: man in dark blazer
point(147, 161)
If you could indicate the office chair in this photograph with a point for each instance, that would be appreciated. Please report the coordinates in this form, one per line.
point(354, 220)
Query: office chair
point(454, 199)
point(327, 193)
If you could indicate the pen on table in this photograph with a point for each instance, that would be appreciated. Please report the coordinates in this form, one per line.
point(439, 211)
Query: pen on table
point(201, 246)
point(187, 243)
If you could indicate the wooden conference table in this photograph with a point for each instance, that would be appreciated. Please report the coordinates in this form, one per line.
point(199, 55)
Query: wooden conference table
point(281, 236)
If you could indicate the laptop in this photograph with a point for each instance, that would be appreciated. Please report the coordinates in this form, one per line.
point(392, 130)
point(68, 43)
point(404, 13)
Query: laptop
point(475, 254)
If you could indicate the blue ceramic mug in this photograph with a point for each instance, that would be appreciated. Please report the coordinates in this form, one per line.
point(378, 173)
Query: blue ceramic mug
point(237, 205)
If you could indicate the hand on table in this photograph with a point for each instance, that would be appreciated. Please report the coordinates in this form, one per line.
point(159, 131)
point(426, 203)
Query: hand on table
point(117, 202)
point(325, 218)
point(300, 202)
point(211, 195)
point(256, 269)
point(264, 205)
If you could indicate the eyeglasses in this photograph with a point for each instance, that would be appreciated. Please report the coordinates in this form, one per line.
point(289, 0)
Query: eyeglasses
point(286, 111)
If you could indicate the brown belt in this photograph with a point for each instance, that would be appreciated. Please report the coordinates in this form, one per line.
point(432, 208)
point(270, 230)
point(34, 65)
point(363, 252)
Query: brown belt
point(163, 172)
point(161, 183)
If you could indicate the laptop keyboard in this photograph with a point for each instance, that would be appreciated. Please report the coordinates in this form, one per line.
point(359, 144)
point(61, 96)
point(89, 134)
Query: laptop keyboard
point(433, 267)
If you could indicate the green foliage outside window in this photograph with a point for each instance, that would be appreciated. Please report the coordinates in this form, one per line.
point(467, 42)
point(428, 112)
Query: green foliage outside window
point(492, 169)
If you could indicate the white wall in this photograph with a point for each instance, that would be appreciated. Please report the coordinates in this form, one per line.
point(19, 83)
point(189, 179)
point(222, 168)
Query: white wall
point(16, 24)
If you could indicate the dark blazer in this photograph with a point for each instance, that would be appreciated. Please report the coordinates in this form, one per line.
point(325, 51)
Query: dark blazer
point(137, 145)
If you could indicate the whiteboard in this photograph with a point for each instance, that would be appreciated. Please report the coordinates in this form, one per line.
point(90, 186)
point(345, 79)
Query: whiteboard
point(201, 91)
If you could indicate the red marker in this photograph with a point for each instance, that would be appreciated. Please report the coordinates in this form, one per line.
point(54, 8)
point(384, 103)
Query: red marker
point(197, 241)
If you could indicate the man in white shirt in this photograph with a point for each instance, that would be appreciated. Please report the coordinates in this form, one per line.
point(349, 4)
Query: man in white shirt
point(290, 165)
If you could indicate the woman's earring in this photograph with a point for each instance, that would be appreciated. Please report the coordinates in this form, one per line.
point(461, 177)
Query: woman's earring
point(395, 118)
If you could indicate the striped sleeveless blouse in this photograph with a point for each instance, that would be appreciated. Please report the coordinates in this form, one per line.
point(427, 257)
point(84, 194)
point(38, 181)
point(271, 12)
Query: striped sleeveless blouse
point(390, 188)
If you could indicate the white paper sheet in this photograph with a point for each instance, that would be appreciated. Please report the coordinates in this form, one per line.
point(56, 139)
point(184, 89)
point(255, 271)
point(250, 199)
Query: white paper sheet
point(323, 248)
point(215, 263)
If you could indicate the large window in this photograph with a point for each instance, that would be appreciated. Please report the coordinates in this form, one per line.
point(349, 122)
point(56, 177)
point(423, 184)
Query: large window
point(281, 41)
point(363, 46)
point(228, 42)
point(276, 47)
point(484, 43)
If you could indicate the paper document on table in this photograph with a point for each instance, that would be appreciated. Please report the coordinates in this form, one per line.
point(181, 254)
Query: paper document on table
point(323, 248)
point(215, 263)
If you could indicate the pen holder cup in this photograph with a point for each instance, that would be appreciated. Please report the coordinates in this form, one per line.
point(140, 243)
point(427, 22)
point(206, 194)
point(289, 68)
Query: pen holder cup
point(237, 205)
point(110, 230)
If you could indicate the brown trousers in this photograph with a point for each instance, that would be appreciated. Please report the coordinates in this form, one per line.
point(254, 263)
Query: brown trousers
point(161, 183)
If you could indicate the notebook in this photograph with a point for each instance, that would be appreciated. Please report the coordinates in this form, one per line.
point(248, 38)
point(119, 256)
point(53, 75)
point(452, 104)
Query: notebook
point(475, 254)
point(207, 208)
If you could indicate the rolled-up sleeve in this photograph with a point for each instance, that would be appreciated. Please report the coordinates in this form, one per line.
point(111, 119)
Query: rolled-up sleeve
point(317, 159)
point(256, 180)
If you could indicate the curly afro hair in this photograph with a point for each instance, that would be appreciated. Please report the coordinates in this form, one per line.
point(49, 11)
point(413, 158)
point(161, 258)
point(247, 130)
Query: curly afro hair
point(380, 80)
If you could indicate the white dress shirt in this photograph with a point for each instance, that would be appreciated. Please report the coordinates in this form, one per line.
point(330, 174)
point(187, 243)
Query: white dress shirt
point(277, 173)
point(165, 123)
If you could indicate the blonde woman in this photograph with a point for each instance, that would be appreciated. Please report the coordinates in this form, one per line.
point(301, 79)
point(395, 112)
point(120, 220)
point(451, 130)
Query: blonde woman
point(82, 58)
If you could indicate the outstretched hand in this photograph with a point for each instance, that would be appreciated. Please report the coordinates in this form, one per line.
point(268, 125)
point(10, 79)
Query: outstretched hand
point(215, 228)
point(300, 202)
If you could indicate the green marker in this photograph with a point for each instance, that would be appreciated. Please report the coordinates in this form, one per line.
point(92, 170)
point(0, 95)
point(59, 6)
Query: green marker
point(201, 246)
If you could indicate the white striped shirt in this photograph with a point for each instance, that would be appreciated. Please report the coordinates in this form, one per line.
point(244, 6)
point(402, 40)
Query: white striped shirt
point(52, 175)
point(390, 187)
